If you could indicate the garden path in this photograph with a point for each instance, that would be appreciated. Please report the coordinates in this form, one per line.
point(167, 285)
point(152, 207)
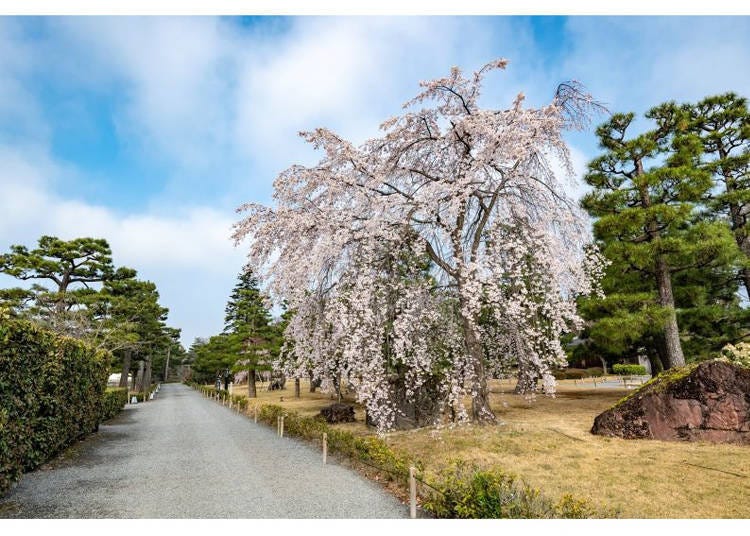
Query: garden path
point(181, 456)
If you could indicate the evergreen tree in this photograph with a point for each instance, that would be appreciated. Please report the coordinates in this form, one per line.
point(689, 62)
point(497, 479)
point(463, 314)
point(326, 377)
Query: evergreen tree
point(723, 124)
point(248, 329)
point(646, 190)
point(64, 264)
point(215, 357)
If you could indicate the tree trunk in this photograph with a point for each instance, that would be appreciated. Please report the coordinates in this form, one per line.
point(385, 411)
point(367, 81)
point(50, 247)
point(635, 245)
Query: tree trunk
point(125, 368)
point(604, 364)
point(737, 220)
point(138, 382)
point(672, 344)
point(251, 390)
point(147, 375)
point(296, 388)
point(314, 384)
point(480, 394)
point(166, 365)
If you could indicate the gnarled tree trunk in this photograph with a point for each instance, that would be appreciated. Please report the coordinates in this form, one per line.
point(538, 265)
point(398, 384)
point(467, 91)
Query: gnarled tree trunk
point(138, 382)
point(126, 359)
point(481, 411)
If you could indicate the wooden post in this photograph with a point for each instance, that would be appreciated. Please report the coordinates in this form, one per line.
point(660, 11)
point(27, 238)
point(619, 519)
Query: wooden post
point(325, 448)
point(278, 425)
point(282, 426)
point(256, 414)
point(412, 493)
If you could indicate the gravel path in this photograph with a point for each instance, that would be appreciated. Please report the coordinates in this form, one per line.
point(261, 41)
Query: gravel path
point(182, 456)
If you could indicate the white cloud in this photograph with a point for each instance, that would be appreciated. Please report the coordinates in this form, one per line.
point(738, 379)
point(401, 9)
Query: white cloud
point(188, 255)
point(218, 107)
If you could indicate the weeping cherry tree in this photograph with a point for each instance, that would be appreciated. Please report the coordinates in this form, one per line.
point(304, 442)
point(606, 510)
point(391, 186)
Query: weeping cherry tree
point(472, 191)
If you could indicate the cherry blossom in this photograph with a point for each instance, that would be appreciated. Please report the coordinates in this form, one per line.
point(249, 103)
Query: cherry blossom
point(444, 248)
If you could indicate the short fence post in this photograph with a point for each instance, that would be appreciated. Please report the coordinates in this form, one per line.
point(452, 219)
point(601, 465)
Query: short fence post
point(256, 414)
point(325, 448)
point(278, 425)
point(412, 493)
point(282, 426)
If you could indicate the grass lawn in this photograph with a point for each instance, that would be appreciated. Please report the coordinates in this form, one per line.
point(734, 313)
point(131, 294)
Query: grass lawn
point(547, 442)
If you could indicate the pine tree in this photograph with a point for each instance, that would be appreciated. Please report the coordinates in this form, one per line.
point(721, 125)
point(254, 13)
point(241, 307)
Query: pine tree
point(647, 221)
point(247, 324)
point(723, 124)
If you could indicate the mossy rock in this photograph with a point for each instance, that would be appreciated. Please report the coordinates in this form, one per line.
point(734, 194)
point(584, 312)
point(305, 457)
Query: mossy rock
point(708, 401)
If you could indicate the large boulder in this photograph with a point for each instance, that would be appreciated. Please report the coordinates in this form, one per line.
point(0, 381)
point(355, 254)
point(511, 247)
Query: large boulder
point(709, 401)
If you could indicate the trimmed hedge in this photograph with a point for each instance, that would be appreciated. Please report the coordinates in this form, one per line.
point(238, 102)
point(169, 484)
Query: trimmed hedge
point(595, 372)
point(456, 492)
point(114, 400)
point(51, 390)
point(629, 370)
point(569, 374)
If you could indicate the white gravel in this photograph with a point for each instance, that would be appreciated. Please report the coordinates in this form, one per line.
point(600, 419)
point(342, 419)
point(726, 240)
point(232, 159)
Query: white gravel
point(182, 456)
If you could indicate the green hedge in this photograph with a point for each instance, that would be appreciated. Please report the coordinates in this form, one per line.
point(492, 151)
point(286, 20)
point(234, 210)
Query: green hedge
point(51, 391)
point(457, 492)
point(114, 400)
point(569, 374)
point(595, 372)
point(629, 370)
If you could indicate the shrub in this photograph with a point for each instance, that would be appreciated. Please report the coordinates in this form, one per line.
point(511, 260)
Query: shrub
point(469, 492)
point(628, 370)
point(738, 354)
point(114, 400)
point(240, 401)
point(51, 391)
point(569, 374)
point(595, 372)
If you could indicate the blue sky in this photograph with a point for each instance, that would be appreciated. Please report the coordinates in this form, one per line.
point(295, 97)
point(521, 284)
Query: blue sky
point(149, 132)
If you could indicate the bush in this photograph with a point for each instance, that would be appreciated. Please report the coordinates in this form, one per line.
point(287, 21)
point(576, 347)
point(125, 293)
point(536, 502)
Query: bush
point(595, 372)
point(738, 354)
point(114, 400)
point(629, 370)
point(469, 492)
point(569, 374)
point(51, 391)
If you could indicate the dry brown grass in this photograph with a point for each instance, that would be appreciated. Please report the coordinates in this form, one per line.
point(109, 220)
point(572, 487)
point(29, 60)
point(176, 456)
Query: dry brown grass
point(547, 442)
